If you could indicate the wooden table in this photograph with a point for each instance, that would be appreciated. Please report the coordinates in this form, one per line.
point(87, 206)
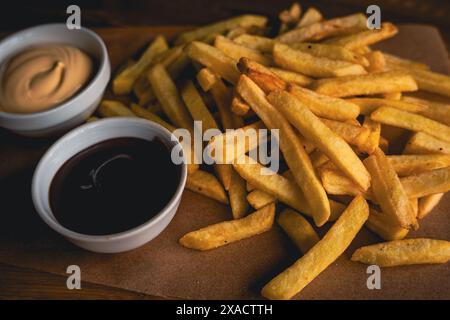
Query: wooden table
point(23, 283)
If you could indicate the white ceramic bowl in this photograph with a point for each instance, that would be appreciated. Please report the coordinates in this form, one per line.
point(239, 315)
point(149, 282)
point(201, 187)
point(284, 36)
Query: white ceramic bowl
point(82, 138)
point(78, 108)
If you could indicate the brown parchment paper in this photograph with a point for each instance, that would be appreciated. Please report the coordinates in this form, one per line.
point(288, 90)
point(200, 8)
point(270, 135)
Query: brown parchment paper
point(237, 271)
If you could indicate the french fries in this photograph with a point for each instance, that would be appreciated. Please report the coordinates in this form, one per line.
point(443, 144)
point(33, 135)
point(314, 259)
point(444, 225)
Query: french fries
point(238, 195)
point(312, 15)
point(319, 257)
point(207, 184)
point(298, 229)
point(431, 109)
point(388, 190)
point(369, 105)
point(427, 204)
point(406, 165)
point(383, 225)
point(326, 140)
point(404, 252)
point(422, 143)
point(369, 84)
point(411, 121)
point(262, 44)
point(221, 27)
point(226, 232)
point(426, 183)
point(237, 51)
point(325, 29)
point(112, 108)
point(296, 157)
point(310, 65)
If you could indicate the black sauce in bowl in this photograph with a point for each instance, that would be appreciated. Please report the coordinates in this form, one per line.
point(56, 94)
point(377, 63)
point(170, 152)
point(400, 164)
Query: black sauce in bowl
point(114, 186)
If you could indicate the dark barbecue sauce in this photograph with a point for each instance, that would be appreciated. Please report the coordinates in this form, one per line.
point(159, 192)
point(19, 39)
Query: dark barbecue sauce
point(113, 186)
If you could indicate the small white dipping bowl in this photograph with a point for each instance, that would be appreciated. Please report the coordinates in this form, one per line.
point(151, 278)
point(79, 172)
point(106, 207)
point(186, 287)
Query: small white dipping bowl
point(76, 109)
point(82, 138)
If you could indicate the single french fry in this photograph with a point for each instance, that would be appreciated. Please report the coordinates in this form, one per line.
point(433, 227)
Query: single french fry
point(318, 158)
point(226, 232)
point(426, 183)
point(237, 51)
point(337, 184)
point(383, 225)
point(291, 76)
point(206, 184)
point(366, 38)
point(428, 203)
point(422, 143)
point(291, 147)
point(377, 63)
point(239, 106)
point(291, 15)
point(369, 84)
point(325, 106)
point(319, 257)
point(250, 187)
point(396, 96)
point(258, 198)
point(310, 65)
point(411, 121)
point(238, 195)
point(197, 107)
point(221, 27)
point(325, 29)
point(431, 109)
point(262, 76)
point(298, 229)
point(389, 191)
point(123, 83)
point(406, 165)
point(339, 152)
point(394, 60)
point(146, 114)
point(206, 78)
point(330, 51)
point(352, 134)
point(312, 15)
point(169, 98)
point(213, 58)
point(262, 44)
point(369, 105)
point(404, 252)
point(373, 140)
point(113, 108)
point(222, 97)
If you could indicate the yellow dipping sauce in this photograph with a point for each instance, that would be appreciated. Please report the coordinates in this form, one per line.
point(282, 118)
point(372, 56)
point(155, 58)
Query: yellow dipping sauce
point(42, 77)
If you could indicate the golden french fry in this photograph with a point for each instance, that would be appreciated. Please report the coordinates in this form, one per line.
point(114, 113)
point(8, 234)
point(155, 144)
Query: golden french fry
point(422, 143)
point(197, 107)
point(310, 65)
point(238, 195)
point(291, 147)
point(369, 105)
point(373, 141)
point(250, 187)
point(312, 15)
point(324, 29)
point(396, 96)
point(298, 229)
point(337, 184)
point(214, 59)
point(318, 158)
point(406, 165)
point(223, 96)
point(336, 149)
point(262, 76)
point(146, 114)
point(237, 51)
point(113, 108)
point(258, 198)
point(377, 63)
point(226, 232)
point(325, 106)
point(432, 109)
point(262, 44)
point(291, 76)
point(206, 78)
point(123, 83)
point(428, 203)
point(369, 84)
point(411, 121)
point(394, 60)
point(331, 52)
point(318, 258)
point(389, 191)
point(206, 184)
point(404, 252)
point(426, 183)
point(221, 27)
point(169, 98)
point(239, 106)
point(366, 38)
point(291, 15)
point(383, 225)
point(352, 134)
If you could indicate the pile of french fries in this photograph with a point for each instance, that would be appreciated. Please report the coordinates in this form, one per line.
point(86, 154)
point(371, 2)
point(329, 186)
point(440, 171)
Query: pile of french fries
point(340, 108)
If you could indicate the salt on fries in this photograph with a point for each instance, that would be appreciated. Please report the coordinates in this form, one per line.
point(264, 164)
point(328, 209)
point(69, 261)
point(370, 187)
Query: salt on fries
point(341, 109)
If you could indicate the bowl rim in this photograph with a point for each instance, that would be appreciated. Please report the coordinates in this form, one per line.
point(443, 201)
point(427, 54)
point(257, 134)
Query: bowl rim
point(79, 131)
point(102, 68)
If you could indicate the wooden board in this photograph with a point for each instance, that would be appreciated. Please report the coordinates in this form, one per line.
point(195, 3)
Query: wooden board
point(237, 271)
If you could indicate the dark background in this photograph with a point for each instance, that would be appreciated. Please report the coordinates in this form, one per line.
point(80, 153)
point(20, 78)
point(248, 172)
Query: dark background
point(15, 15)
